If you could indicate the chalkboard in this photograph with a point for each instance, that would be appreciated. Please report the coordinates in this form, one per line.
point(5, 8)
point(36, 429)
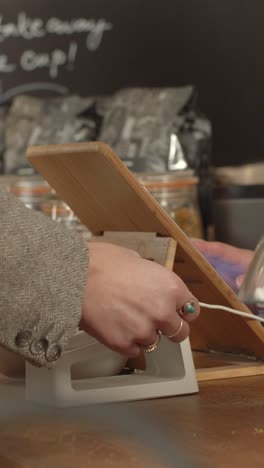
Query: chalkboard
point(95, 47)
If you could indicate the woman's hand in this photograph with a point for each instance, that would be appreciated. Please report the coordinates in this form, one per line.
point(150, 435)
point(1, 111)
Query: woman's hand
point(230, 262)
point(127, 299)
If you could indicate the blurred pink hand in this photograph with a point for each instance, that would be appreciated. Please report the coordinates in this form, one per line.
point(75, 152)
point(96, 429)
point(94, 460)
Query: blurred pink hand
point(229, 261)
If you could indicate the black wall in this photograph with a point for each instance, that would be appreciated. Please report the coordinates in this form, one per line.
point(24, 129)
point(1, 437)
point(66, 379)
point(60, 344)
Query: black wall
point(218, 45)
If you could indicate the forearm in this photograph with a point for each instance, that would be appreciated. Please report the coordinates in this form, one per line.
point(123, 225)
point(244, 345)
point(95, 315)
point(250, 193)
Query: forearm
point(43, 272)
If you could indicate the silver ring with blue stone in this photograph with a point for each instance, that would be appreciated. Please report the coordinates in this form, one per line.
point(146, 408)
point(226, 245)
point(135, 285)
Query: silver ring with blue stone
point(188, 308)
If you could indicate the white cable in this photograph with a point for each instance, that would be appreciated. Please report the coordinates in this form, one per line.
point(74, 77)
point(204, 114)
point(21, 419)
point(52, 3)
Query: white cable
point(232, 311)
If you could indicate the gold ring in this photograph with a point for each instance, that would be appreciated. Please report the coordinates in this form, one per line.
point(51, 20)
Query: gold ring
point(177, 332)
point(154, 345)
point(189, 307)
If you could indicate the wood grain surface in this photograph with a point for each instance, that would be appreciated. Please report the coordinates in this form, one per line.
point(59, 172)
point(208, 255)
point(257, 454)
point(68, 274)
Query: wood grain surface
point(221, 427)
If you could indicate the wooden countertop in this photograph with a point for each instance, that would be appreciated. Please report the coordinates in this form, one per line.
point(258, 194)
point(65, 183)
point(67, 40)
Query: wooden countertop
point(221, 427)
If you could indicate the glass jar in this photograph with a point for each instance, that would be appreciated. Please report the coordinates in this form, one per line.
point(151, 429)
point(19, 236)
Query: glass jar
point(31, 191)
point(59, 211)
point(177, 193)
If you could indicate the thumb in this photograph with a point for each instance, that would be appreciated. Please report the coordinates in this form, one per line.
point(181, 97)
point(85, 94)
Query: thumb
point(239, 280)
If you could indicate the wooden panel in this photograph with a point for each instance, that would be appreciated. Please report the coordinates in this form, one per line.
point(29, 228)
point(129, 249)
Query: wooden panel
point(107, 197)
point(151, 247)
point(215, 366)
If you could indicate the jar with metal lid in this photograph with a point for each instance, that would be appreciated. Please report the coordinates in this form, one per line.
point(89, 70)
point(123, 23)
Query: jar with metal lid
point(59, 211)
point(31, 191)
point(177, 193)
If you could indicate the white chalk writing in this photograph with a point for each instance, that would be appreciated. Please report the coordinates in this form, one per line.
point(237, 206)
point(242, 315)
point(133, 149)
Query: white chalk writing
point(31, 60)
point(5, 66)
point(34, 28)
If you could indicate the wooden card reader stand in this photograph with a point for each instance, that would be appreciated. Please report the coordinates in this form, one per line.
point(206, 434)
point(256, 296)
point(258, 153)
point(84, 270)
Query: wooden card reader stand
point(110, 201)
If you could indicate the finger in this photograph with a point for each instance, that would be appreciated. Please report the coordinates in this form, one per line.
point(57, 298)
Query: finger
point(184, 297)
point(181, 333)
point(132, 351)
point(239, 281)
point(146, 336)
point(227, 253)
point(214, 249)
point(117, 342)
point(190, 309)
point(177, 330)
